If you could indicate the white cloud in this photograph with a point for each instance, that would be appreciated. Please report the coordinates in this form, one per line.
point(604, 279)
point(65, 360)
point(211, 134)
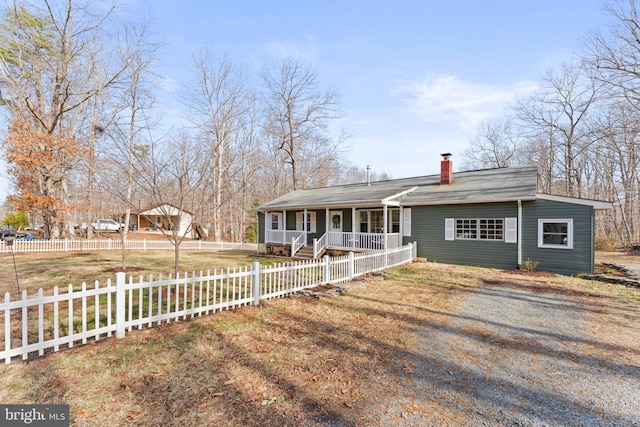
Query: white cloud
point(306, 48)
point(446, 99)
point(168, 84)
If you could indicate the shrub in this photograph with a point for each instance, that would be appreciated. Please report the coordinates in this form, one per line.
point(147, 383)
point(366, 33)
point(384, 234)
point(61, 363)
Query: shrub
point(605, 243)
point(529, 265)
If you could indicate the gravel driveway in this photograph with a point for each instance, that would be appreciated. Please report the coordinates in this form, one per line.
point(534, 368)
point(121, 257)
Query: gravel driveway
point(524, 356)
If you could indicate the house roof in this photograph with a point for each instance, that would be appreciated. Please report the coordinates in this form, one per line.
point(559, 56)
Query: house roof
point(481, 186)
point(159, 209)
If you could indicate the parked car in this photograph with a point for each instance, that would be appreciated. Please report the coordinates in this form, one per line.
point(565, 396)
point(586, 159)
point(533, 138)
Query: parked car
point(106, 224)
point(7, 230)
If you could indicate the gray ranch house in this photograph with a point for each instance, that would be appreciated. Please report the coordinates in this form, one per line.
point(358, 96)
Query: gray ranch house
point(489, 218)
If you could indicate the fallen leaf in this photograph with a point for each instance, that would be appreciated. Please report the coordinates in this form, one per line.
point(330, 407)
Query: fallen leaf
point(132, 415)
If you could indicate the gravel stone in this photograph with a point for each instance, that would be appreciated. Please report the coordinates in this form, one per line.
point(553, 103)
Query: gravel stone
point(511, 356)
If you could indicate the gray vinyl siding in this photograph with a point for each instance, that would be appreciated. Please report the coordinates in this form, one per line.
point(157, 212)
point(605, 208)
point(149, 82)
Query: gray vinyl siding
point(580, 259)
point(347, 220)
point(427, 228)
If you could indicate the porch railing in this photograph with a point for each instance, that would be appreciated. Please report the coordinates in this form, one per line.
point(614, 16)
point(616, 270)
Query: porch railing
point(298, 242)
point(319, 245)
point(335, 239)
point(357, 240)
point(283, 236)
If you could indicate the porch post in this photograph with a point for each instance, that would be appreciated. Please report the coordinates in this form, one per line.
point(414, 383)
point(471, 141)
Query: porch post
point(284, 227)
point(353, 226)
point(384, 233)
point(326, 220)
point(304, 225)
point(304, 220)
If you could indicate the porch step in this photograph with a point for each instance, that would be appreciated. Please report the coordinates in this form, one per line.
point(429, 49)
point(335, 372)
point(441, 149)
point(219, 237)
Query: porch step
point(305, 252)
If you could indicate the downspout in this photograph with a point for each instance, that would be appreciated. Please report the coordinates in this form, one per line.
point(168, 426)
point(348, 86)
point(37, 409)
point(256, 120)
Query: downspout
point(519, 232)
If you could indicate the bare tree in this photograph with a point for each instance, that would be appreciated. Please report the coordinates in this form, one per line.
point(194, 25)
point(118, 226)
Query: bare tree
point(558, 114)
point(616, 56)
point(298, 115)
point(176, 176)
point(218, 103)
point(51, 50)
point(496, 146)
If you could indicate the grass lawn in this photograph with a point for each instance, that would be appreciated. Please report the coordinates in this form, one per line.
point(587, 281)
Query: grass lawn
point(46, 270)
point(290, 361)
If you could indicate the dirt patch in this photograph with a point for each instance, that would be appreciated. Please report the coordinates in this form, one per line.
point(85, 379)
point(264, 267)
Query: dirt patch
point(321, 288)
point(123, 270)
point(609, 269)
point(531, 273)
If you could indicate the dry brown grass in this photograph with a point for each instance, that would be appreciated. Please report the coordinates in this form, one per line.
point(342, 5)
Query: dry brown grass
point(290, 361)
point(46, 270)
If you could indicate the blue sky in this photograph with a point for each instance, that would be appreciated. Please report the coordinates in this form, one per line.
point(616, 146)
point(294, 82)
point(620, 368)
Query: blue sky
point(416, 78)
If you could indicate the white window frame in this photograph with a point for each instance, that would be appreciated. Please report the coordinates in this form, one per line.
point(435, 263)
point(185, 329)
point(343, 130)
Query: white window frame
point(453, 232)
point(278, 219)
point(391, 213)
point(310, 222)
point(543, 221)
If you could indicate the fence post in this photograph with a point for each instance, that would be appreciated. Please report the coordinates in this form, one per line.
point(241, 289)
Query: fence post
point(255, 282)
point(120, 304)
point(326, 276)
point(415, 250)
point(66, 245)
point(351, 265)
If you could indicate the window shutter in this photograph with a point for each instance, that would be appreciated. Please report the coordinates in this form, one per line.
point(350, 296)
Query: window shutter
point(407, 221)
point(511, 230)
point(449, 229)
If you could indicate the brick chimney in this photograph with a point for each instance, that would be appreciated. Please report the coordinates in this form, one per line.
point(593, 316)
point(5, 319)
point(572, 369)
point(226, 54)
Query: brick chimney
point(446, 169)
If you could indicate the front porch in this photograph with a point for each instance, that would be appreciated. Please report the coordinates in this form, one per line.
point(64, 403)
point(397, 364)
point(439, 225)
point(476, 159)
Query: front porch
point(290, 242)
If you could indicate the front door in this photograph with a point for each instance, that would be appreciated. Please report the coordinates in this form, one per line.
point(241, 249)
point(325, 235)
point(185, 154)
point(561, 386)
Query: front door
point(335, 221)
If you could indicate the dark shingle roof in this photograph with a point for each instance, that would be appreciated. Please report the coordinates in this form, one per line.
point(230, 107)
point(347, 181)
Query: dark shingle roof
point(482, 186)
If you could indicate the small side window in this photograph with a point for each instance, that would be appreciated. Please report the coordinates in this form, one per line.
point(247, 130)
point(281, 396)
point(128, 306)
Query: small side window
point(555, 233)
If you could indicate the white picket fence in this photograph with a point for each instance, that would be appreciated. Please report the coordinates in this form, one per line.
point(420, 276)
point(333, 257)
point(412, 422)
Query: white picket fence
point(33, 326)
point(93, 245)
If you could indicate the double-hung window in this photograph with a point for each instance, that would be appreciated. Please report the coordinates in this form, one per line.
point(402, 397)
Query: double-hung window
point(275, 221)
point(307, 223)
point(555, 233)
